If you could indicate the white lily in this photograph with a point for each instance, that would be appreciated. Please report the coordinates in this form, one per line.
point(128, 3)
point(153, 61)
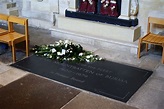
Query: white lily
point(63, 51)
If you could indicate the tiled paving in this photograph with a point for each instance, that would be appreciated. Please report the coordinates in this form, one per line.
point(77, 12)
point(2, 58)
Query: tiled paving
point(22, 90)
point(32, 92)
point(90, 101)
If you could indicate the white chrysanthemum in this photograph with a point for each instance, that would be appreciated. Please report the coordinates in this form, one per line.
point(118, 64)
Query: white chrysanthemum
point(46, 47)
point(57, 43)
point(45, 54)
point(71, 51)
point(57, 57)
point(58, 53)
point(87, 60)
point(53, 50)
point(68, 50)
point(73, 58)
point(66, 45)
point(100, 58)
point(80, 54)
point(66, 41)
point(36, 51)
point(52, 45)
point(60, 41)
point(91, 56)
point(88, 56)
point(50, 56)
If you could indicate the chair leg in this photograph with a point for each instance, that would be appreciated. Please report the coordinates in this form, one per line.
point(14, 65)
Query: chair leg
point(139, 48)
point(13, 52)
point(146, 48)
point(27, 48)
point(163, 55)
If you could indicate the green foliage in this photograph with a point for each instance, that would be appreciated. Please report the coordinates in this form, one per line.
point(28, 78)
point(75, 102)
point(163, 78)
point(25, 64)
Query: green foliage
point(65, 50)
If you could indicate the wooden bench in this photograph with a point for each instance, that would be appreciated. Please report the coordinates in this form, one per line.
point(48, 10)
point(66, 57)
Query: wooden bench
point(151, 38)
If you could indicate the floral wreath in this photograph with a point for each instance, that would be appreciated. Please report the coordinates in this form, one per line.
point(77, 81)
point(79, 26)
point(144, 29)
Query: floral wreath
point(65, 50)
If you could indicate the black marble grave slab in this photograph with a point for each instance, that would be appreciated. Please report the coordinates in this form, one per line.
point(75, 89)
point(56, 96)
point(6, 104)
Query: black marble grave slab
point(106, 78)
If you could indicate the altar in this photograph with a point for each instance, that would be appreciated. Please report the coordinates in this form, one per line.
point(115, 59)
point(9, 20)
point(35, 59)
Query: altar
point(120, 27)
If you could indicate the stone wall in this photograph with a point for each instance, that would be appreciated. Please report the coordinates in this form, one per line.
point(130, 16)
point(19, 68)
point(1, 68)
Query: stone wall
point(145, 9)
point(43, 13)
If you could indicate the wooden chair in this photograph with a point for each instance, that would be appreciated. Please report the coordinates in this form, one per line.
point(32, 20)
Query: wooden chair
point(12, 37)
point(151, 38)
point(3, 17)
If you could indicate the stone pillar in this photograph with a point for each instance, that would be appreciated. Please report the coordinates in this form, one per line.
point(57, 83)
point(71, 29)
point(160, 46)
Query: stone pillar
point(72, 5)
point(125, 9)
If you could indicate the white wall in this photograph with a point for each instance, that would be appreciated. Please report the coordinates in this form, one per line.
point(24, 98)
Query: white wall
point(145, 8)
point(47, 10)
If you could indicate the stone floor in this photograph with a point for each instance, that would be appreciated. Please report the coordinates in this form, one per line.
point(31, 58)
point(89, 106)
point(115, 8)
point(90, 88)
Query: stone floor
point(23, 90)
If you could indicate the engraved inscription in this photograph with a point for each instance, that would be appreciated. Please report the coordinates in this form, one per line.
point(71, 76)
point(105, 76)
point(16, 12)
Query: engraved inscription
point(116, 79)
point(79, 74)
point(77, 80)
point(83, 70)
point(64, 76)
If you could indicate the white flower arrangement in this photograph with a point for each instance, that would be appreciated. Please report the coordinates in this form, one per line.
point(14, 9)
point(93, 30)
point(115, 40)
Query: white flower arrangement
point(65, 50)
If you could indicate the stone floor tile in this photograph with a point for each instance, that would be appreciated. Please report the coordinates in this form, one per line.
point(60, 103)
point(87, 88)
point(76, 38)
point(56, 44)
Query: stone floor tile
point(11, 75)
point(155, 83)
point(108, 55)
point(33, 92)
point(128, 58)
point(1, 86)
point(120, 57)
point(148, 98)
point(159, 72)
point(91, 101)
point(150, 61)
point(4, 68)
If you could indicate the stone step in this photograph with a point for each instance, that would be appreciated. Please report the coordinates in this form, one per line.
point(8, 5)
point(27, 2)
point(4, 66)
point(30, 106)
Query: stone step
point(95, 41)
point(106, 31)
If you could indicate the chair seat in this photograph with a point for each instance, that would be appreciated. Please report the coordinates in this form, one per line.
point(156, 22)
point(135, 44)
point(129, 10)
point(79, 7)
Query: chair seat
point(14, 36)
point(3, 31)
point(153, 39)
